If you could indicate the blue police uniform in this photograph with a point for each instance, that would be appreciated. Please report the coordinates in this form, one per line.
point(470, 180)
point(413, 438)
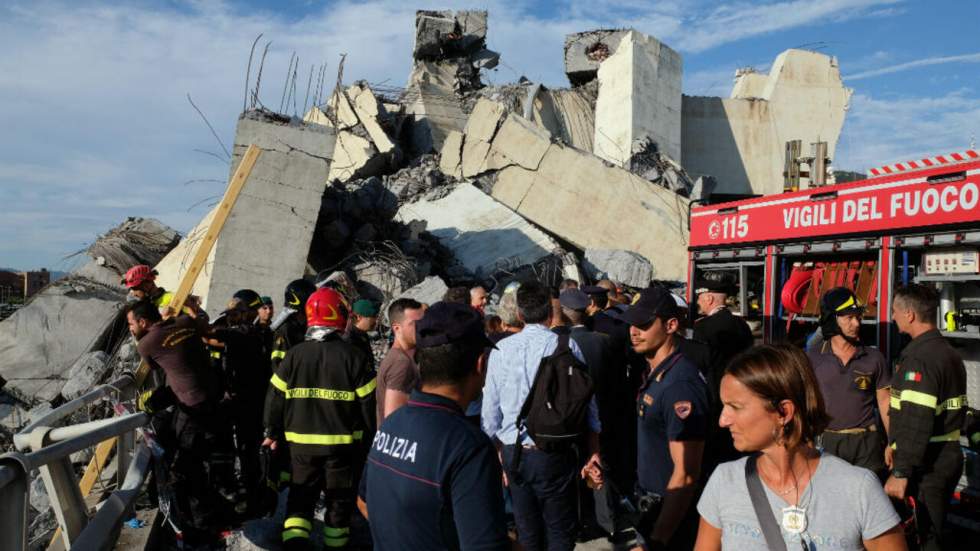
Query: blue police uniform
point(433, 481)
point(672, 405)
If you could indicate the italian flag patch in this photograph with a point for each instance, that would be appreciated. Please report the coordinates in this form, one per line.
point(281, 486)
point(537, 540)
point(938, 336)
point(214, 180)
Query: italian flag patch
point(913, 376)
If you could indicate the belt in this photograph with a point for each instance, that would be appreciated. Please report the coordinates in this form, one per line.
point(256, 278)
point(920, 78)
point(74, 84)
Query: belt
point(858, 430)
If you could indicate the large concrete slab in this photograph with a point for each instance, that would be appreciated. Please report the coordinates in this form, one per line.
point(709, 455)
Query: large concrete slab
point(482, 234)
point(266, 239)
point(741, 140)
point(639, 98)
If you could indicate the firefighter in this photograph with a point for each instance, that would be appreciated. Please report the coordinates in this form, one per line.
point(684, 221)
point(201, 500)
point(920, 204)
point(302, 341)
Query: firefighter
point(175, 347)
point(290, 326)
point(140, 280)
point(320, 400)
point(928, 409)
point(854, 380)
point(246, 369)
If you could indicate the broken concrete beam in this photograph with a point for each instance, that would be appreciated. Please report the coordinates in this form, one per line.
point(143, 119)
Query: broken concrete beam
point(135, 241)
point(569, 115)
point(429, 291)
point(639, 99)
point(451, 158)
point(266, 240)
point(484, 235)
point(625, 267)
point(87, 371)
point(40, 342)
point(741, 140)
point(369, 112)
point(563, 190)
point(354, 157)
point(432, 30)
point(518, 142)
point(586, 50)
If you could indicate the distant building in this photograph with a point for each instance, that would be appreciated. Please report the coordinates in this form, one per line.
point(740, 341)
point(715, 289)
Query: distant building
point(22, 285)
point(35, 281)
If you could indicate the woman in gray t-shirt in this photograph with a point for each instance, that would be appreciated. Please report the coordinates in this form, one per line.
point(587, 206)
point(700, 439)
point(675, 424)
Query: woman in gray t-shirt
point(773, 406)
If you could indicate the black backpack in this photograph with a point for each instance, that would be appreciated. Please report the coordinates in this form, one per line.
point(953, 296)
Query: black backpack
point(554, 412)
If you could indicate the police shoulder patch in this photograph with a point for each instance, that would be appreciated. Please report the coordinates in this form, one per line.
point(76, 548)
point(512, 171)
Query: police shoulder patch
point(647, 399)
point(683, 409)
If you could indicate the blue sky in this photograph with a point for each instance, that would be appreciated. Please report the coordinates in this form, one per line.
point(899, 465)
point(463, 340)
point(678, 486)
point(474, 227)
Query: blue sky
point(97, 127)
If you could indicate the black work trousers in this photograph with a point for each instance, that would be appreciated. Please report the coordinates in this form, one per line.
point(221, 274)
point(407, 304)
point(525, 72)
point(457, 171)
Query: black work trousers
point(862, 449)
point(194, 434)
point(312, 475)
point(247, 421)
point(933, 488)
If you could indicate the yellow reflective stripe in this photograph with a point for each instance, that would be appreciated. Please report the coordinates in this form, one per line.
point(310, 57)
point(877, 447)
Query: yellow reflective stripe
point(321, 439)
point(957, 402)
point(975, 438)
point(215, 354)
point(919, 398)
point(948, 437)
point(895, 402)
point(294, 533)
point(335, 542)
point(298, 522)
point(335, 532)
point(850, 302)
point(367, 389)
point(278, 354)
point(358, 435)
point(285, 476)
point(320, 394)
point(279, 383)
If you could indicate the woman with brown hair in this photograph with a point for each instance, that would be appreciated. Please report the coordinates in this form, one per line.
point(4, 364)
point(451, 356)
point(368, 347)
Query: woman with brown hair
point(786, 494)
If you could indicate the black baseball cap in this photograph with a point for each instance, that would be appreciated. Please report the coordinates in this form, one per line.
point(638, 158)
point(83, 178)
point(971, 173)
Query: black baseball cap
point(574, 299)
point(648, 304)
point(448, 322)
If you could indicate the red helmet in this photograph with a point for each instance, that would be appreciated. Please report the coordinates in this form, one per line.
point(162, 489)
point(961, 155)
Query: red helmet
point(794, 293)
point(138, 274)
point(326, 308)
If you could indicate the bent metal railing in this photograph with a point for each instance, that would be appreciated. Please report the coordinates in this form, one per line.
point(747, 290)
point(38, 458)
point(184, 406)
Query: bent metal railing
point(47, 447)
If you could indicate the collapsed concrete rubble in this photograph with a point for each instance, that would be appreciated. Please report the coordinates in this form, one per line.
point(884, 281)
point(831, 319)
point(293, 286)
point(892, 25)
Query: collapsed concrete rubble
point(59, 334)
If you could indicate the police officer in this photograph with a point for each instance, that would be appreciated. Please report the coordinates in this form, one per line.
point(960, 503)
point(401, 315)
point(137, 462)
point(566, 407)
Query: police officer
point(320, 400)
point(726, 335)
point(854, 379)
point(928, 401)
point(433, 479)
point(673, 412)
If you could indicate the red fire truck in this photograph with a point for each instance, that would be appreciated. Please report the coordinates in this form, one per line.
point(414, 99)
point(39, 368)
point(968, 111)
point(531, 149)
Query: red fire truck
point(910, 222)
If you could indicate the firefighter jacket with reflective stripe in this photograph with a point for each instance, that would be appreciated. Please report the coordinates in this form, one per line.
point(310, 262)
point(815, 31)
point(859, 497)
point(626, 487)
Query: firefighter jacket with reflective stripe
point(928, 399)
point(289, 334)
point(321, 396)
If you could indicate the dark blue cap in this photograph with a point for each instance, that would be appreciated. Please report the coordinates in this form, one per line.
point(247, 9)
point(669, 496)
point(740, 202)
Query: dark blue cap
point(574, 299)
point(594, 290)
point(448, 322)
point(650, 303)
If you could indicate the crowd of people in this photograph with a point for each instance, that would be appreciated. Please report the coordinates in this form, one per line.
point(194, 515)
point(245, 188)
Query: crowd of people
point(571, 413)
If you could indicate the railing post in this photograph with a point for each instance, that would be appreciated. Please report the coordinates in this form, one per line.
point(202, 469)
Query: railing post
point(125, 450)
point(63, 492)
point(13, 502)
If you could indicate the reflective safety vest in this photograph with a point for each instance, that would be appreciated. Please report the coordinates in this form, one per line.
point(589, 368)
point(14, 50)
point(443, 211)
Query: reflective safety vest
point(928, 399)
point(321, 396)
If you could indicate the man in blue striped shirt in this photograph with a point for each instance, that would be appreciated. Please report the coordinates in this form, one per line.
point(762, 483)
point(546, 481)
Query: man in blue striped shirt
point(543, 486)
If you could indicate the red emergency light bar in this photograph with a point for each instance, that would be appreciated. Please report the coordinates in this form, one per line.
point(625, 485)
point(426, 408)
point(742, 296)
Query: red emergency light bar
point(913, 197)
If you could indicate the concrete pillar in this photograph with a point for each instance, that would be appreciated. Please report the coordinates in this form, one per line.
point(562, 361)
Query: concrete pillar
point(266, 239)
point(639, 99)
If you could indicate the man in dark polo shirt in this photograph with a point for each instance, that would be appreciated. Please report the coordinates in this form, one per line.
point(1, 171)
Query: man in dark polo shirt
point(854, 379)
point(432, 481)
point(175, 346)
point(673, 412)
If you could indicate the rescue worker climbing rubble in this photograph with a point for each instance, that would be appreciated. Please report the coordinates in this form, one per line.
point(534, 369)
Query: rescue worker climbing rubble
point(320, 401)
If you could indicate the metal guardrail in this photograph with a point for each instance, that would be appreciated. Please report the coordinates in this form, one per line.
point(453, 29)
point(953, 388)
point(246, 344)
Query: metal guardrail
point(44, 446)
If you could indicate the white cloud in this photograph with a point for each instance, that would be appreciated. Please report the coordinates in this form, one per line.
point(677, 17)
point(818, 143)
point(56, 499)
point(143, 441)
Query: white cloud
point(880, 131)
point(927, 62)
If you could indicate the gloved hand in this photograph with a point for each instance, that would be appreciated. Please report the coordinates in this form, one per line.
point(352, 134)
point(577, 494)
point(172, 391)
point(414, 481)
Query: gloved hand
point(145, 401)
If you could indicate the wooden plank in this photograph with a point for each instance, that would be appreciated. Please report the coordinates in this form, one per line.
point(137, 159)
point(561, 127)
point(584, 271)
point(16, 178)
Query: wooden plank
point(232, 192)
point(207, 242)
